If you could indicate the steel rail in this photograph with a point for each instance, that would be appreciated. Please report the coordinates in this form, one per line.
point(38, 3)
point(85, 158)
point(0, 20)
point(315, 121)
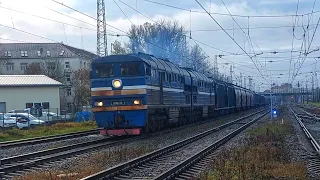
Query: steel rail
point(124, 167)
point(27, 161)
point(45, 139)
point(313, 142)
point(185, 165)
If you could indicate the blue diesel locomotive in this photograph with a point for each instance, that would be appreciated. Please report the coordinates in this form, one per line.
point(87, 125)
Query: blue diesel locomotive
point(139, 93)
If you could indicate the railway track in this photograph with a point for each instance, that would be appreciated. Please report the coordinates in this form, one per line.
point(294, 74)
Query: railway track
point(170, 162)
point(314, 158)
point(16, 165)
point(46, 139)
point(310, 115)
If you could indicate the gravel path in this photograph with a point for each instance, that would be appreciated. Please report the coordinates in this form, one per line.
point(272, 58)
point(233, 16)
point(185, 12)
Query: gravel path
point(122, 153)
point(8, 152)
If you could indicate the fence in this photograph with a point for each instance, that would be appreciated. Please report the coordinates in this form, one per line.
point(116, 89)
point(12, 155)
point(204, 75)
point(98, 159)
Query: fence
point(34, 117)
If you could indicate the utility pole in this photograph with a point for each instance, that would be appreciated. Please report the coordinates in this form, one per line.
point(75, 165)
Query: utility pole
point(312, 87)
point(102, 49)
point(271, 103)
point(245, 82)
point(216, 66)
point(231, 72)
point(307, 90)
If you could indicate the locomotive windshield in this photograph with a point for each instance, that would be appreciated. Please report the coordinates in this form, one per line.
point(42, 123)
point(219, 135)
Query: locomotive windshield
point(104, 70)
point(130, 69)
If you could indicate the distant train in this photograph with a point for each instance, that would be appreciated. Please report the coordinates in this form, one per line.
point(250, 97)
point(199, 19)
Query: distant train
point(139, 93)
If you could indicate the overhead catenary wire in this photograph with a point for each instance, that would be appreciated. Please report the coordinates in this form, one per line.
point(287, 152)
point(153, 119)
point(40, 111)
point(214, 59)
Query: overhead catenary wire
point(248, 37)
point(126, 34)
point(250, 28)
point(56, 21)
point(307, 48)
point(224, 14)
point(230, 37)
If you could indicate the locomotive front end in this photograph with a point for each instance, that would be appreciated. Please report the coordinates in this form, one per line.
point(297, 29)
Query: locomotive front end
point(119, 95)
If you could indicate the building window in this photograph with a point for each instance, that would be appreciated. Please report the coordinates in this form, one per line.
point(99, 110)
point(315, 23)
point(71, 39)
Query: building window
point(10, 67)
point(29, 105)
point(48, 53)
point(45, 105)
point(67, 65)
point(37, 105)
point(80, 64)
point(69, 105)
point(68, 78)
point(69, 92)
point(84, 64)
point(51, 65)
point(23, 66)
point(7, 54)
point(24, 53)
point(61, 53)
point(39, 53)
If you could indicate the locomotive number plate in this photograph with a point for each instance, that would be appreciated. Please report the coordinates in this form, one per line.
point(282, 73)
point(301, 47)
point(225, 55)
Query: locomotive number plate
point(118, 103)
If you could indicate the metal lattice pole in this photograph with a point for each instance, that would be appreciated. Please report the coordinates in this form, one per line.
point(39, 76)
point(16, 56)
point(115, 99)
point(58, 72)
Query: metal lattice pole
point(102, 49)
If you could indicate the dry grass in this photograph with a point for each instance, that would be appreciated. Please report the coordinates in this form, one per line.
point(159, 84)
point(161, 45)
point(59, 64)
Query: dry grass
point(39, 131)
point(263, 155)
point(87, 166)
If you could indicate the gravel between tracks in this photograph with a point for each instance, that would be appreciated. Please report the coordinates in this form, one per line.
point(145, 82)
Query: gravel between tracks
point(8, 152)
point(296, 143)
point(303, 149)
point(182, 154)
point(149, 144)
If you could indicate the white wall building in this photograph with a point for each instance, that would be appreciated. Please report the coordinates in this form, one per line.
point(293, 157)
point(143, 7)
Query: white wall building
point(24, 91)
point(15, 58)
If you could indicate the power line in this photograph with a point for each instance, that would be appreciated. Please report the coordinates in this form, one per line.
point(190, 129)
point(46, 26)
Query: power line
point(56, 21)
point(13, 40)
point(87, 15)
point(308, 52)
point(248, 37)
point(123, 12)
point(251, 28)
point(235, 15)
point(230, 36)
point(42, 37)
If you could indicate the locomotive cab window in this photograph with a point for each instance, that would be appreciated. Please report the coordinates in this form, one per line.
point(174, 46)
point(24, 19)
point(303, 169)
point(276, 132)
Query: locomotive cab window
point(104, 70)
point(148, 71)
point(153, 73)
point(130, 69)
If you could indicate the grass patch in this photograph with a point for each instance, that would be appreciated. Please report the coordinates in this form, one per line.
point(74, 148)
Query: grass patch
point(273, 128)
point(315, 104)
point(263, 155)
point(88, 165)
point(39, 131)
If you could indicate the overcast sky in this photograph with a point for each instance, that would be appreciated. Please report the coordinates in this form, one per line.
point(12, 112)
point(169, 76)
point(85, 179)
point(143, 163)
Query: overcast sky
point(274, 67)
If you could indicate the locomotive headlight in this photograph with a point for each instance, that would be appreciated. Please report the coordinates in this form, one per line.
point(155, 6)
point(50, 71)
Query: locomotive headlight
point(98, 103)
point(136, 102)
point(116, 83)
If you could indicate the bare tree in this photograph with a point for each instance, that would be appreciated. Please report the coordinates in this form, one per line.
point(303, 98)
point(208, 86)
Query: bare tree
point(34, 69)
point(80, 82)
point(52, 68)
point(118, 49)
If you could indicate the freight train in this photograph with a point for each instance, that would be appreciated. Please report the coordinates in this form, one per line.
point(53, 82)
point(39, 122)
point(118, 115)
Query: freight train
point(139, 93)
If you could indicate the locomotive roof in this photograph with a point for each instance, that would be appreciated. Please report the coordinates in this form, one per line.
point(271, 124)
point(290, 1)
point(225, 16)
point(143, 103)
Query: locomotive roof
point(163, 65)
